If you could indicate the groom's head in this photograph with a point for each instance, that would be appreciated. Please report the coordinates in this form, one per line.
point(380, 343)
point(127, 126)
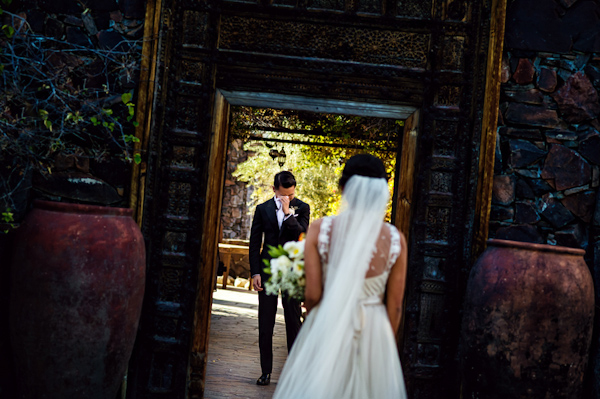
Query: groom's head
point(284, 184)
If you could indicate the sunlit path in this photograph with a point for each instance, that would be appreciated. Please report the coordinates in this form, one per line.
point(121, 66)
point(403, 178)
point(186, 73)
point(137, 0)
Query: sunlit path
point(233, 357)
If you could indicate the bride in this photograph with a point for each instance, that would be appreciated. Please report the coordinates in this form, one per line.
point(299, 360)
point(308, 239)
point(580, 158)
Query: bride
point(355, 278)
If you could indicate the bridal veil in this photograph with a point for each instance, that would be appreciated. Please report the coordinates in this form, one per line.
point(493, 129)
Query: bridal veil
point(321, 362)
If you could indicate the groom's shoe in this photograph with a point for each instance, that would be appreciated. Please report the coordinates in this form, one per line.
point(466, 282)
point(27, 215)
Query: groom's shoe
point(264, 379)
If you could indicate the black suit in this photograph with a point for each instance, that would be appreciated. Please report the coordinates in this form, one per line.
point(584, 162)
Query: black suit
point(264, 224)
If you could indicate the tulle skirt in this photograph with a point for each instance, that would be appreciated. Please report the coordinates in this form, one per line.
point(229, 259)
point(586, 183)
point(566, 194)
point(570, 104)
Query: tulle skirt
point(367, 366)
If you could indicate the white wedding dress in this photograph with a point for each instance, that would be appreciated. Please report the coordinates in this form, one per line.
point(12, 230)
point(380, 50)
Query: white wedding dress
point(346, 347)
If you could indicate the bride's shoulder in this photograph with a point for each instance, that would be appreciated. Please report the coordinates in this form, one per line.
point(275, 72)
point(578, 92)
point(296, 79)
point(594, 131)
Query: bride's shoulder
point(394, 230)
point(392, 227)
point(316, 224)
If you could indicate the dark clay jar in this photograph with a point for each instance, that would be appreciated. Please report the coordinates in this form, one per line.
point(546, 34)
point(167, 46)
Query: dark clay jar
point(77, 285)
point(527, 322)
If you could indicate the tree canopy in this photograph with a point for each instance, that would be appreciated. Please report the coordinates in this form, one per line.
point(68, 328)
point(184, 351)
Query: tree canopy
point(316, 147)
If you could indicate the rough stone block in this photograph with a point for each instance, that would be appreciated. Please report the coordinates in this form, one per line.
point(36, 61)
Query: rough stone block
point(497, 157)
point(77, 37)
point(553, 211)
point(523, 190)
point(55, 28)
point(524, 72)
point(531, 96)
point(521, 232)
point(505, 71)
point(502, 213)
point(116, 16)
point(525, 213)
point(559, 136)
point(539, 186)
point(89, 24)
point(532, 115)
point(73, 20)
point(102, 20)
point(533, 173)
point(565, 168)
point(111, 40)
point(528, 134)
point(596, 219)
point(581, 204)
point(547, 80)
point(503, 190)
point(593, 74)
point(577, 99)
point(589, 147)
point(523, 153)
point(573, 236)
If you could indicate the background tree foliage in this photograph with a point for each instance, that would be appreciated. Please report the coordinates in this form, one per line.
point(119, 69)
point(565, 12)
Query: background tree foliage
point(326, 141)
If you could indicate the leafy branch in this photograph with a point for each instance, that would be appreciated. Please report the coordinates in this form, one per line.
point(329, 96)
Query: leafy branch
point(60, 97)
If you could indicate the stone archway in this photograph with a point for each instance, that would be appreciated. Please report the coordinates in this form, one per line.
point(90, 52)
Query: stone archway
point(438, 56)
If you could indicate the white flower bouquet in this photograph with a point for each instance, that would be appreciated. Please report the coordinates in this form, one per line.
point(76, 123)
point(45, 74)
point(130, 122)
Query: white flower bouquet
point(287, 270)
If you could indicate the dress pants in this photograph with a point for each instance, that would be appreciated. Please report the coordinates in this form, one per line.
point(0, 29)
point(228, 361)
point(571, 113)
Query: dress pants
point(267, 310)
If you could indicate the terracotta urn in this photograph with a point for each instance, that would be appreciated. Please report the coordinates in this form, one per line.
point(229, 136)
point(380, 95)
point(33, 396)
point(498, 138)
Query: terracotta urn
point(527, 322)
point(77, 284)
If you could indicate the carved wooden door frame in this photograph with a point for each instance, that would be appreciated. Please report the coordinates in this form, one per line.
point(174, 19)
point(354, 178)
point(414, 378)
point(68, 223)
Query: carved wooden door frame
point(188, 42)
point(218, 150)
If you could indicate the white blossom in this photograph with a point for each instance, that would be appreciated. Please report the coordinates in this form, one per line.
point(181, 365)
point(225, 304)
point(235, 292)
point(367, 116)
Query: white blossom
point(295, 249)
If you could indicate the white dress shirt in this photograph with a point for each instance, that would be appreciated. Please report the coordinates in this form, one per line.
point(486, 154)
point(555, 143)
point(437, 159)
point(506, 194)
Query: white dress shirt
point(280, 215)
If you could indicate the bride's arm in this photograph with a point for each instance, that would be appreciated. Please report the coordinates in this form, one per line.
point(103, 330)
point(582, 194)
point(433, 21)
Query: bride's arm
point(312, 267)
point(396, 285)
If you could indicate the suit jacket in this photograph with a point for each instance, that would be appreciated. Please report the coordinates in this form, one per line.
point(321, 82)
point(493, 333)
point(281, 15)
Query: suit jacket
point(264, 225)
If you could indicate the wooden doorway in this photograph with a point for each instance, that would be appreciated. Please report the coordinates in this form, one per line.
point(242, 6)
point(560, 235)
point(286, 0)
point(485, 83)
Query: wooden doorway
point(221, 131)
point(438, 56)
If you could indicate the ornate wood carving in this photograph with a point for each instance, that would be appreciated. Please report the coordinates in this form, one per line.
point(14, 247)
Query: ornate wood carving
point(429, 55)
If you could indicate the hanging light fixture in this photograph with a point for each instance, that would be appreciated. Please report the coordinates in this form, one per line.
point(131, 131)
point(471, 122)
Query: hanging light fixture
point(281, 157)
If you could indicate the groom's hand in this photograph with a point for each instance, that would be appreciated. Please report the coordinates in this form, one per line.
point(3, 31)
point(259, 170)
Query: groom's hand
point(285, 204)
point(257, 283)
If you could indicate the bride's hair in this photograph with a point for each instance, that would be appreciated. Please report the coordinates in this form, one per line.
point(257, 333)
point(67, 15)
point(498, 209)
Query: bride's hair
point(362, 165)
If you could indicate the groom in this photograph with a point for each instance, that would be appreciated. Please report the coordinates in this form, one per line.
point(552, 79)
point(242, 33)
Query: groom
point(278, 220)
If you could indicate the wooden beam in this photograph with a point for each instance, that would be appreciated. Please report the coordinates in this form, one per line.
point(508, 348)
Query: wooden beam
point(144, 105)
point(317, 144)
point(321, 105)
point(407, 170)
point(210, 231)
point(407, 173)
point(489, 125)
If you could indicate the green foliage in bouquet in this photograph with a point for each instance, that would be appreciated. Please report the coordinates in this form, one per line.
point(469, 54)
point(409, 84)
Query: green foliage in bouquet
point(286, 269)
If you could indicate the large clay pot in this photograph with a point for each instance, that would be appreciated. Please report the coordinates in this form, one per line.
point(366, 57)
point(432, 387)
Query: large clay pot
point(77, 284)
point(527, 322)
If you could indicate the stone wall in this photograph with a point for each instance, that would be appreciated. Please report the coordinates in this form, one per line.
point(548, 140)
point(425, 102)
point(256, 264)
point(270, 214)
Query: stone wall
point(546, 177)
point(235, 219)
point(236, 196)
point(548, 150)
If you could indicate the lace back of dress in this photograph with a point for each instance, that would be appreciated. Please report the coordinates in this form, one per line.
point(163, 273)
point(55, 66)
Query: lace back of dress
point(383, 257)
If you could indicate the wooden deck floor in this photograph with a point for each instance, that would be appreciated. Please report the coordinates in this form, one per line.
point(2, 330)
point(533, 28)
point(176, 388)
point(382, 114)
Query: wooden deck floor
point(233, 357)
